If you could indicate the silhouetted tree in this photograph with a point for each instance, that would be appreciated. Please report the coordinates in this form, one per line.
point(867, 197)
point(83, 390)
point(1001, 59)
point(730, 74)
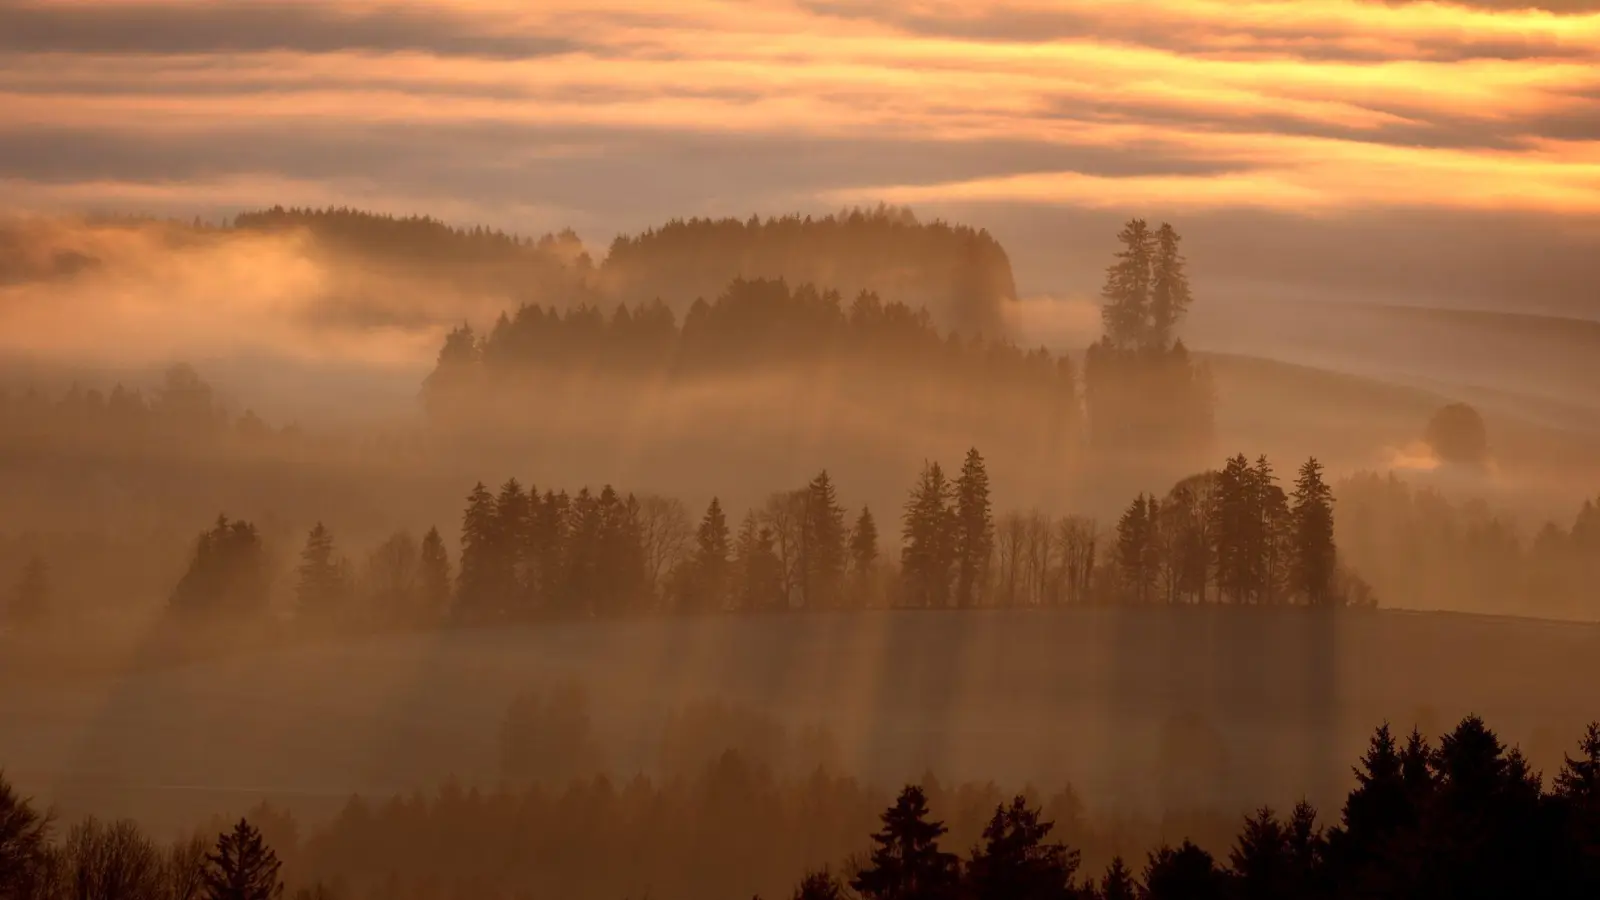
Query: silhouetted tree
point(906, 862)
point(1126, 312)
point(1117, 883)
point(1315, 564)
point(708, 580)
point(242, 867)
point(925, 558)
point(24, 844)
point(1014, 862)
point(863, 558)
point(226, 574)
point(321, 590)
point(1184, 873)
point(819, 885)
point(476, 580)
point(972, 540)
point(822, 545)
point(433, 578)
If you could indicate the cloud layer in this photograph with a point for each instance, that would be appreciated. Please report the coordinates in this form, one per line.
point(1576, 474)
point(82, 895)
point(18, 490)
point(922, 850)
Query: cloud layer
point(610, 114)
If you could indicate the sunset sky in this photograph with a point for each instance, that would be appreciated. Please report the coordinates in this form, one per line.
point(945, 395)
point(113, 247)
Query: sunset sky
point(1410, 151)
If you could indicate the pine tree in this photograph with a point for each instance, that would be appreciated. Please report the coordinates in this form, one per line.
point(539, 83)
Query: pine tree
point(1014, 862)
point(906, 862)
point(758, 579)
point(973, 538)
point(863, 557)
point(708, 580)
point(823, 545)
point(30, 601)
point(925, 558)
point(512, 523)
point(242, 867)
point(1183, 873)
point(1272, 533)
point(475, 582)
point(1136, 550)
point(321, 588)
point(1261, 860)
point(1315, 560)
point(1126, 311)
point(433, 578)
point(1169, 288)
point(1117, 883)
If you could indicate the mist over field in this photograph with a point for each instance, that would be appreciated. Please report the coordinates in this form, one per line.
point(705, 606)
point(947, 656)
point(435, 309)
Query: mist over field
point(836, 449)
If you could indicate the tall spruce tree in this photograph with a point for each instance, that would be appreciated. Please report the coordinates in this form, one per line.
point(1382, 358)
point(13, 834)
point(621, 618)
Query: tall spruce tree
point(823, 545)
point(925, 557)
point(320, 587)
point(475, 582)
point(1169, 289)
point(1136, 550)
point(906, 862)
point(242, 867)
point(863, 558)
point(512, 520)
point(709, 577)
point(1117, 883)
point(433, 578)
point(1016, 862)
point(1315, 557)
point(973, 538)
point(1126, 310)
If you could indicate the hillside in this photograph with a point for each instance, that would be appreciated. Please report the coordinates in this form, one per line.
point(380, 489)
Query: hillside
point(1265, 703)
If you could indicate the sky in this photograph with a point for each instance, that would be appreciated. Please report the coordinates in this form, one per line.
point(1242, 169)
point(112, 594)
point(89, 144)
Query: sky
point(1333, 149)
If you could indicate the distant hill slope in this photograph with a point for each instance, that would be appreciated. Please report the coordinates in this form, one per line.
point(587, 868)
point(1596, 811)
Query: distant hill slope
point(1280, 700)
point(960, 274)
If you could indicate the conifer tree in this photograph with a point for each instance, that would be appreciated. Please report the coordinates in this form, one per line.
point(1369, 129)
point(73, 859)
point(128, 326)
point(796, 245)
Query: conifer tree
point(30, 600)
point(433, 577)
point(1014, 861)
point(906, 862)
point(1126, 311)
point(925, 558)
point(758, 575)
point(1169, 288)
point(708, 580)
point(320, 589)
point(1315, 561)
point(822, 545)
point(1183, 873)
point(863, 556)
point(1272, 534)
point(512, 522)
point(1117, 883)
point(1260, 859)
point(475, 582)
point(242, 867)
point(1136, 549)
point(973, 538)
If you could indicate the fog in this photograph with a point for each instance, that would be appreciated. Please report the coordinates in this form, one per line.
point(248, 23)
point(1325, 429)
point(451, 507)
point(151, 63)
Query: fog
point(302, 370)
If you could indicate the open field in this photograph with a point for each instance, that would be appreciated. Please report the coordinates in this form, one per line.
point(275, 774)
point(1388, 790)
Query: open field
point(1146, 708)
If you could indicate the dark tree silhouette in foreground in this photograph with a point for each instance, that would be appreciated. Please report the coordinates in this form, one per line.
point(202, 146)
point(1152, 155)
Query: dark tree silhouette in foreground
point(906, 862)
point(242, 867)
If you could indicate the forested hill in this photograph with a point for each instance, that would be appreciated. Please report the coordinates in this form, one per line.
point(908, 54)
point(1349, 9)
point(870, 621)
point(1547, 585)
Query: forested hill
point(960, 274)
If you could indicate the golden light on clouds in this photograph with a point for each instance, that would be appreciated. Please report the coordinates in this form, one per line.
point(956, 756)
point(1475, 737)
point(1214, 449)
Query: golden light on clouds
point(1307, 105)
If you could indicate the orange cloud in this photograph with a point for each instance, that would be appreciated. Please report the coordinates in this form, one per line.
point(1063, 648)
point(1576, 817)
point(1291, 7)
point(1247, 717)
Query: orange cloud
point(1305, 105)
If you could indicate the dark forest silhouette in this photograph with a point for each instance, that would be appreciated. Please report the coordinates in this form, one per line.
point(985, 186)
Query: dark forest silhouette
point(1232, 536)
point(1460, 817)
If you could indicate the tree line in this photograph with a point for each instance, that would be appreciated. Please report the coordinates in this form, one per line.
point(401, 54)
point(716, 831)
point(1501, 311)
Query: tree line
point(1231, 536)
point(1460, 817)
